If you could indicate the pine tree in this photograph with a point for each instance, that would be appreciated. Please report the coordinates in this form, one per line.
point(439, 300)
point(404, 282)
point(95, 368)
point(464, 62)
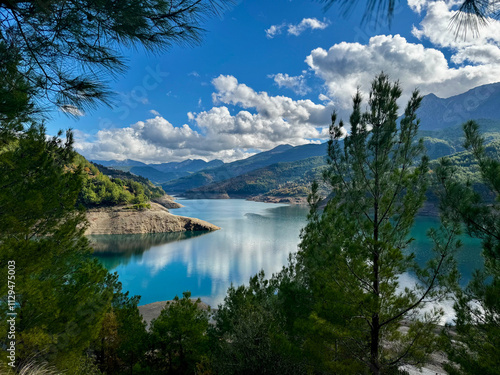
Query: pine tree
point(60, 290)
point(179, 336)
point(354, 251)
point(66, 48)
point(60, 52)
point(475, 348)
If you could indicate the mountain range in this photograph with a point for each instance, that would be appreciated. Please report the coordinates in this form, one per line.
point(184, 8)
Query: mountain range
point(287, 170)
point(163, 172)
point(478, 103)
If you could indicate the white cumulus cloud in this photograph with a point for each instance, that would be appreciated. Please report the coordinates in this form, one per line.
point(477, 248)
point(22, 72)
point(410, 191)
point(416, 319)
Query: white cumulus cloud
point(297, 29)
point(307, 23)
point(347, 66)
point(297, 84)
point(435, 27)
point(274, 30)
point(262, 122)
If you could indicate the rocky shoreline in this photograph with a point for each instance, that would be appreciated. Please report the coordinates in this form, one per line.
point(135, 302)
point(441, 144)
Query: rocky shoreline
point(429, 208)
point(277, 199)
point(125, 220)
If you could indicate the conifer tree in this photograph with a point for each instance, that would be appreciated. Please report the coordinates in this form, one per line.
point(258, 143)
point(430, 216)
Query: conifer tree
point(475, 348)
point(60, 291)
point(61, 53)
point(354, 252)
point(66, 49)
point(178, 336)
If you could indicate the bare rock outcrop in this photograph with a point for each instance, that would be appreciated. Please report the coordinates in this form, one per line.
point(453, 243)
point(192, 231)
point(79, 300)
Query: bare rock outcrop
point(167, 201)
point(123, 220)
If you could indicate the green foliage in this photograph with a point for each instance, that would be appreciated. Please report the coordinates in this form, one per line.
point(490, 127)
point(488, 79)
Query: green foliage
point(140, 206)
point(101, 190)
point(123, 340)
point(179, 338)
point(16, 105)
point(254, 328)
point(263, 180)
point(475, 347)
point(353, 252)
point(53, 51)
point(437, 147)
point(66, 47)
point(61, 292)
point(453, 137)
point(118, 177)
point(292, 189)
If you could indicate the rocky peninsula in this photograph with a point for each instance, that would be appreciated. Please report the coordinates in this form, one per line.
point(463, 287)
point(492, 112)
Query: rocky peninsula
point(167, 201)
point(126, 220)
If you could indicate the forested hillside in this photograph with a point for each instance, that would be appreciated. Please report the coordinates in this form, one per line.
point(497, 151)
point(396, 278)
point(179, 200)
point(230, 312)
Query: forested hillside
point(293, 179)
point(160, 173)
point(285, 179)
point(108, 187)
point(283, 153)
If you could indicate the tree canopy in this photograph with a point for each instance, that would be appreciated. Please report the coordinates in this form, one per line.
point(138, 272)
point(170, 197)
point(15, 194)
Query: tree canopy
point(354, 251)
point(475, 346)
point(70, 310)
point(66, 50)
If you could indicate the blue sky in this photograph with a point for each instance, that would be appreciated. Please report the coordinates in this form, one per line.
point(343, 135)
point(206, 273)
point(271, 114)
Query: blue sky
point(271, 72)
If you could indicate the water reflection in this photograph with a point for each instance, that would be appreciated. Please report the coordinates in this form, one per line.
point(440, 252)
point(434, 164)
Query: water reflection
point(115, 249)
point(254, 236)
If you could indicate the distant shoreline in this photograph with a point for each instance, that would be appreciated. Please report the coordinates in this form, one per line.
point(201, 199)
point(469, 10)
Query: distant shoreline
point(429, 208)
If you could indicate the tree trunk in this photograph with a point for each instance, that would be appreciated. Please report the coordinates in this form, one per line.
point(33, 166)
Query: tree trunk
point(375, 328)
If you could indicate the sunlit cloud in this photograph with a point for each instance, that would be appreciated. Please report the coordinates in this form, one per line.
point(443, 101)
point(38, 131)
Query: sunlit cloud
point(307, 23)
point(297, 29)
point(345, 67)
point(274, 30)
point(297, 84)
point(263, 123)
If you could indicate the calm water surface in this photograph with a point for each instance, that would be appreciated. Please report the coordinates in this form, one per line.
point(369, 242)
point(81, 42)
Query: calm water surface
point(254, 236)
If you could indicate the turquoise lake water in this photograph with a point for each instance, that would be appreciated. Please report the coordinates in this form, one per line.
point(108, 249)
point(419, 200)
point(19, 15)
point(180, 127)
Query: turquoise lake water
point(254, 236)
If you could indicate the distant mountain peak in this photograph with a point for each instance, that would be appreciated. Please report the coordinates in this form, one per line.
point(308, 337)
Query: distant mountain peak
point(478, 103)
point(281, 148)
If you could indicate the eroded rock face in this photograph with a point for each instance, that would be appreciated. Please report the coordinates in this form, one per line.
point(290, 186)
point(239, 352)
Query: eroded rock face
point(167, 201)
point(120, 220)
